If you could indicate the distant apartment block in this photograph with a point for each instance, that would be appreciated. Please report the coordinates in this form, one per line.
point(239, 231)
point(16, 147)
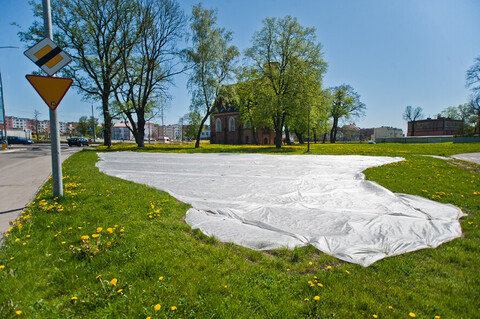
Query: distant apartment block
point(16, 123)
point(386, 132)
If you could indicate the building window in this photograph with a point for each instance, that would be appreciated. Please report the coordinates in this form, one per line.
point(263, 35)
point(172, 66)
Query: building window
point(231, 124)
point(218, 125)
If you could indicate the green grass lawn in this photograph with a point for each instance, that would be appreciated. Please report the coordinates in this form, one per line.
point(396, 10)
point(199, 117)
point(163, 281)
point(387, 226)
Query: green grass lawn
point(140, 255)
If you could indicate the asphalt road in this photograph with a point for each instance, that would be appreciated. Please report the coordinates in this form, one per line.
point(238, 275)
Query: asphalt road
point(23, 170)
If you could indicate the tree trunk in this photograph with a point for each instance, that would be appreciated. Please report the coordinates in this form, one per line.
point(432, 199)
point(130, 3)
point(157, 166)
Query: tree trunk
point(314, 137)
point(300, 137)
point(333, 132)
point(107, 134)
point(324, 138)
point(197, 143)
point(287, 136)
point(254, 135)
point(413, 128)
point(278, 138)
point(140, 138)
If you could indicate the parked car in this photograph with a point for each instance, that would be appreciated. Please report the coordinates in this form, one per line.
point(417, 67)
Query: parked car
point(77, 141)
point(18, 140)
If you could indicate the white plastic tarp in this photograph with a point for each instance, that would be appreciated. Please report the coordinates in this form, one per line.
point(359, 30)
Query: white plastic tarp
point(273, 201)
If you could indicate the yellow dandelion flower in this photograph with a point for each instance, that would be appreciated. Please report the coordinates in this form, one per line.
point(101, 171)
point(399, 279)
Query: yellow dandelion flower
point(28, 236)
point(109, 243)
point(119, 291)
point(317, 298)
point(12, 258)
point(74, 298)
point(98, 276)
point(2, 267)
point(110, 230)
point(85, 237)
point(95, 235)
point(310, 263)
point(99, 229)
point(18, 312)
point(306, 299)
point(18, 239)
point(390, 307)
point(160, 278)
point(173, 308)
point(374, 316)
point(411, 314)
point(149, 317)
point(24, 244)
point(79, 227)
point(288, 269)
point(114, 281)
point(329, 267)
point(347, 271)
point(437, 317)
point(225, 286)
point(320, 285)
point(157, 307)
point(63, 242)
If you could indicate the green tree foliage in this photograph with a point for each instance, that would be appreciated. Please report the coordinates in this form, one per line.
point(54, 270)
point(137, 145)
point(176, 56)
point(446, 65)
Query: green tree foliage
point(84, 123)
point(463, 112)
point(150, 65)
point(192, 122)
point(212, 59)
point(288, 66)
point(344, 104)
point(94, 34)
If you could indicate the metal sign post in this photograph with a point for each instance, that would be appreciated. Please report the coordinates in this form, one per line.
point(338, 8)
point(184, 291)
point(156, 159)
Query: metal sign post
point(57, 179)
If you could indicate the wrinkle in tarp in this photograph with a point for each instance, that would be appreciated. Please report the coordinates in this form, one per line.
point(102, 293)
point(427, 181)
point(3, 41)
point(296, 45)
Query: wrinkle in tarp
point(276, 201)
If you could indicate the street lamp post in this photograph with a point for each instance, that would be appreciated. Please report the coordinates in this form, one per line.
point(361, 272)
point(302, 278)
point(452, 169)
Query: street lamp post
point(2, 100)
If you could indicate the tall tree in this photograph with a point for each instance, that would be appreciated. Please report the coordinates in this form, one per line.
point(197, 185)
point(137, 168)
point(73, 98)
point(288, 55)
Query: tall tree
point(213, 62)
point(36, 115)
point(290, 67)
point(473, 82)
point(149, 67)
point(344, 103)
point(463, 112)
point(412, 115)
point(93, 33)
point(192, 121)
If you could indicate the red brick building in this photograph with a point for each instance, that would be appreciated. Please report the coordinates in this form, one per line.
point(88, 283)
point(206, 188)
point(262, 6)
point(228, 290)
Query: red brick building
point(226, 129)
point(434, 127)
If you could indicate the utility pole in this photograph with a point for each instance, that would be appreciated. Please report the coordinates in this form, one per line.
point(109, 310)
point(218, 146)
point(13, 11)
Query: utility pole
point(3, 101)
point(54, 131)
point(93, 125)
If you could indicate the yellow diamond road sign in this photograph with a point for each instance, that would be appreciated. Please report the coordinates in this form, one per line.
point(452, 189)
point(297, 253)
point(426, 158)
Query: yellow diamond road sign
point(48, 56)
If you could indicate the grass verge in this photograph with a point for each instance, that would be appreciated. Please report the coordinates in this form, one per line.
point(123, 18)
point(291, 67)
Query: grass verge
point(140, 256)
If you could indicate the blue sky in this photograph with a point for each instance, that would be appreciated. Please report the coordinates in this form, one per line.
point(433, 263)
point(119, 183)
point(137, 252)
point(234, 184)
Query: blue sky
point(394, 53)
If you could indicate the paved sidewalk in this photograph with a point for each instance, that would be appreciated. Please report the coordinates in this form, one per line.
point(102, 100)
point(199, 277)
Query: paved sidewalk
point(21, 178)
point(469, 157)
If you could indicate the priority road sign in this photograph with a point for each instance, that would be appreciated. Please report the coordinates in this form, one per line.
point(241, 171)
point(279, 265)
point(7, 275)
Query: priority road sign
point(51, 89)
point(48, 56)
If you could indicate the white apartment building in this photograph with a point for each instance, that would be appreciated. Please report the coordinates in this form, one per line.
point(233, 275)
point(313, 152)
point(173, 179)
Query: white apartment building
point(386, 131)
